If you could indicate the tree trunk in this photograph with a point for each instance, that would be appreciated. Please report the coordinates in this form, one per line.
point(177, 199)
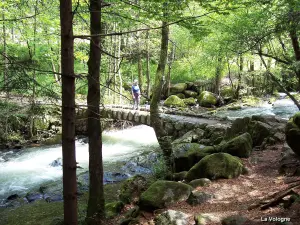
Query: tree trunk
point(148, 66)
point(156, 122)
point(115, 65)
point(119, 70)
point(237, 93)
point(168, 79)
point(95, 209)
point(5, 71)
point(218, 76)
point(68, 114)
point(140, 69)
point(296, 47)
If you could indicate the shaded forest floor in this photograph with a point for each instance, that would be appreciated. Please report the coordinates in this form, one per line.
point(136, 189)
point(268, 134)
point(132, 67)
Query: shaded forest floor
point(234, 196)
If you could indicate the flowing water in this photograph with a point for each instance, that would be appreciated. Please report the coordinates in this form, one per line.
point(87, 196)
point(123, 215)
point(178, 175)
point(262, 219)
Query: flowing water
point(283, 108)
point(29, 168)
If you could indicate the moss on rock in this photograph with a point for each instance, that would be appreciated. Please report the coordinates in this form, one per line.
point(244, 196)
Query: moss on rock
point(113, 209)
point(207, 99)
point(189, 93)
point(174, 101)
point(292, 133)
point(187, 155)
point(217, 165)
point(163, 193)
point(180, 95)
point(178, 88)
point(240, 146)
point(189, 101)
point(132, 188)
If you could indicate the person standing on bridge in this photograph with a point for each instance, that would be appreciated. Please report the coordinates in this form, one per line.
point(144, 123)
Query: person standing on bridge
point(136, 94)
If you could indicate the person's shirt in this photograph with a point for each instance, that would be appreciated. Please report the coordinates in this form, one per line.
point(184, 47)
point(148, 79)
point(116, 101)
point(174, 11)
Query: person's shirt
point(135, 89)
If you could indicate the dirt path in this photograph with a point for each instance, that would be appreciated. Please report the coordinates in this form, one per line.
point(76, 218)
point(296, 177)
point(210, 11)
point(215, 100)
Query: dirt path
point(234, 196)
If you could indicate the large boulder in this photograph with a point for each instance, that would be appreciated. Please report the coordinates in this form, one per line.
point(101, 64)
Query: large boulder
point(186, 155)
point(227, 93)
point(240, 146)
point(207, 99)
point(292, 133)
point(191, 136)
point(259, 131)
point(239, 126)
point(178, 88)
point(217, 165)
point(132, 188)
point(171, 217)
point(163, 193)
point(189, 101)
point(174, 101)
point(189, 93)
point(112, 209)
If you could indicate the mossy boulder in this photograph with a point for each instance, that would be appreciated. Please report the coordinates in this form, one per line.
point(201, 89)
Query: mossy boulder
point(179, 176)
point(190, 136)
point(189, 93)
point(132, 188)
point(180, 95)
point(190, 101)
point(112, 209)
point(178, 88)
point(292, 133)
point(240, 146)
point(214, 166)
point(207, 99)
point(238, 127)
point(163, 193)
point(174, 101)
point(259, 131)
point(227, 93)
point(187, 155)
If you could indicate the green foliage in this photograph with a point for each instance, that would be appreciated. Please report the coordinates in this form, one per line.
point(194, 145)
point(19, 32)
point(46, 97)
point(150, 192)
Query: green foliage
point(159, 169)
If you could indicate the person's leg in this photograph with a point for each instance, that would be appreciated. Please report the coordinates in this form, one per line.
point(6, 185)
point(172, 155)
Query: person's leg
point(138, 102)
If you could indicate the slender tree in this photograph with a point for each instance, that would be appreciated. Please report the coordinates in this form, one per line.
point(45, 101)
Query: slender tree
point(156, 122)
point(68, 113)
point(95, 210)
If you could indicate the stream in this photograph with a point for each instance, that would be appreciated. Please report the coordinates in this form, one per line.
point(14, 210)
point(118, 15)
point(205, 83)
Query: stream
point(27, 169)
point(283, 108)
point(30, 168)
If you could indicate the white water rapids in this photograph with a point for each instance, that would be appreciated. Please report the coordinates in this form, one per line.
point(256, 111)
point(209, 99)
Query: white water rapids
point(30, 167)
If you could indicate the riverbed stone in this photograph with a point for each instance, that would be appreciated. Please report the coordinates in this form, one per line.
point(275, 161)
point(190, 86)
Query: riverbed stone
point(171, 217)
point(189, 93)
point(207, 99)
point(214, 166)
point(292, 133)
point(163, 193)
point(240, 146)
point(56, 163)
point(132, 188)
point(174, 101)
